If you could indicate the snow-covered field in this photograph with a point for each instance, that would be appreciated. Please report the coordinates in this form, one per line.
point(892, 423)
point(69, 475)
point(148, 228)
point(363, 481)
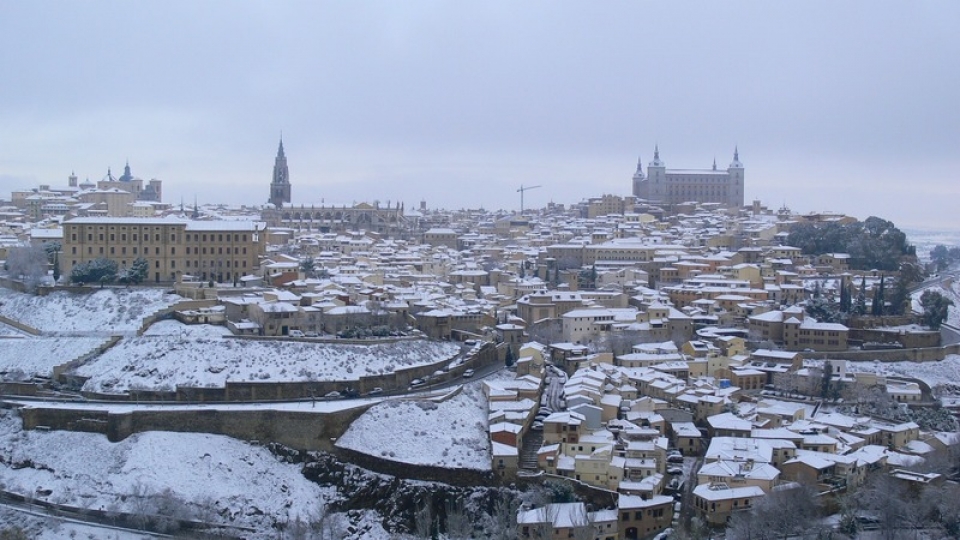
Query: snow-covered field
point(106, 310)
point(945, 372)
point(216, 477)
point(22, 359)
point(448, 434)
point(926, 239)
point(171, 355)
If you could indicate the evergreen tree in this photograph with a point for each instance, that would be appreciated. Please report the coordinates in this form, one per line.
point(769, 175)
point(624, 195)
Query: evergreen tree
point(900, 300)
point(935, 308)
point(826, 380)
point(56, 266)
point(509, 359)
point(844, 296)
point(96, 271)
point(876, 309)
point(862, 298)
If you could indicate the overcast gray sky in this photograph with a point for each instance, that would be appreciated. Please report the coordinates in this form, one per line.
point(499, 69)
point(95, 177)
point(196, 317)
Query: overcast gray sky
point(845, 106)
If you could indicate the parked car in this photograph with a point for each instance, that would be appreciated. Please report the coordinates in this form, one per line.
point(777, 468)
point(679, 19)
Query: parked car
point(311, 334)
point(674, 470)
point(468, 373)
point(417, 382)
point(675, 458)
point(297, 333)
point(332, 395)
point(375, 392)
point(537, 426)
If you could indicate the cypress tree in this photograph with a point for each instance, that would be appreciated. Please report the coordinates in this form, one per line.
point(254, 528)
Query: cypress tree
point(844, 296)
point(877, 308)
point(862, 297)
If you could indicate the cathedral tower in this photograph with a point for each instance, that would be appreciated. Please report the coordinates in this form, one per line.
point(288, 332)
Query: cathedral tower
point(280, 185)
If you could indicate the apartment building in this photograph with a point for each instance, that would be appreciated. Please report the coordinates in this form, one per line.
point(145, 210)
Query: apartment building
point(208, 250)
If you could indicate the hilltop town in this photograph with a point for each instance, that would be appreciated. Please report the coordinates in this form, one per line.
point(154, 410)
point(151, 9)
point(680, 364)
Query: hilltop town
point(674, 362)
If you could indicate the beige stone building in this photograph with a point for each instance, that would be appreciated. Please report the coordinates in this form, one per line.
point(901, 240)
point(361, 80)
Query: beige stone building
point(208, 250)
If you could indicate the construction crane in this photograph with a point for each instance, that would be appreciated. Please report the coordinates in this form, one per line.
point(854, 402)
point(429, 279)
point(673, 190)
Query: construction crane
point(521, 190)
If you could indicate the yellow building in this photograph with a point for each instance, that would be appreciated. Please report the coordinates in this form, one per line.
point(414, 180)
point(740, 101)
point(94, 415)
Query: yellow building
point(209, 250)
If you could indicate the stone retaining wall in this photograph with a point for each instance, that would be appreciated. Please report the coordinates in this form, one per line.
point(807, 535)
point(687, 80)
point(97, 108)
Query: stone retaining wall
point(931, 354)
point(301, 430)
point(20, 326)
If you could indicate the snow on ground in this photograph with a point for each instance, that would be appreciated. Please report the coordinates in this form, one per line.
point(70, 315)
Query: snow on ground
point(241, 483)
point(946, 371)
point(926, 239)
point(41, 527)
point(952, 292)
point(22, 359)
point(105, 310)
point(9, 331)
point(170, 327)
point(450, 434)
point(203, 359)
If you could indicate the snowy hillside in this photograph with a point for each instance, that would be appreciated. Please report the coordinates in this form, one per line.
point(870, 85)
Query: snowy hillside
point(22, 359)
point(449, 434)
point(944, 372)
point(165, 358)
point(216, 477)
point(106, 310)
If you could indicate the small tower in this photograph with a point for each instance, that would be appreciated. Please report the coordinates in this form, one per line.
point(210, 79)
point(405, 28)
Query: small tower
point(280, 185)
point(127, 175)
point(657, 176)
point(72, 179)
point(735, 188)
point(638, 177)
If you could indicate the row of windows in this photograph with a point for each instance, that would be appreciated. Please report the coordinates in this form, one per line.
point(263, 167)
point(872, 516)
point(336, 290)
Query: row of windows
point(146, 251)
point(196, 264)
point(173, 237)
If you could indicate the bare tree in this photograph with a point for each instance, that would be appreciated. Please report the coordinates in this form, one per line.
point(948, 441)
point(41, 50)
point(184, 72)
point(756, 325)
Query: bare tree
point(780, 514)
point(141, 504)
point(547, 331)
point(582, 524)
point(502, 521)
point(459, 524)
point(546, 516)
point(29, 264)
point(170, 510)
point(423, 518)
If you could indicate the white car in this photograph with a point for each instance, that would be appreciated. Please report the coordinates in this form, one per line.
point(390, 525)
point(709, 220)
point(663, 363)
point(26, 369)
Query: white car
point(468, 373)
point(297, 333)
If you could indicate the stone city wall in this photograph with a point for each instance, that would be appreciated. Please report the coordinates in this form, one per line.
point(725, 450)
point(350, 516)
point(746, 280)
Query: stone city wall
point(930, 354)
point(301, 430)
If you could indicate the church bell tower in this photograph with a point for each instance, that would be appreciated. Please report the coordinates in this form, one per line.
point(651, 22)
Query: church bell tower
point(280, 185)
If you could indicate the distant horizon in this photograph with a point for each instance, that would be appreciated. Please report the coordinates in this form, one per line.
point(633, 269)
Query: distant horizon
point(459, 104)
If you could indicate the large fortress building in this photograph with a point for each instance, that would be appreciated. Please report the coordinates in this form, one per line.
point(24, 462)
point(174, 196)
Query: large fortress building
point(673, 186)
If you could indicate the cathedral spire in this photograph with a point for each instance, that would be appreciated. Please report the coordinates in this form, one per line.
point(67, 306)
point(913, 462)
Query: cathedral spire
point(714, 162)
point(656, 152)
point(280, 184)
